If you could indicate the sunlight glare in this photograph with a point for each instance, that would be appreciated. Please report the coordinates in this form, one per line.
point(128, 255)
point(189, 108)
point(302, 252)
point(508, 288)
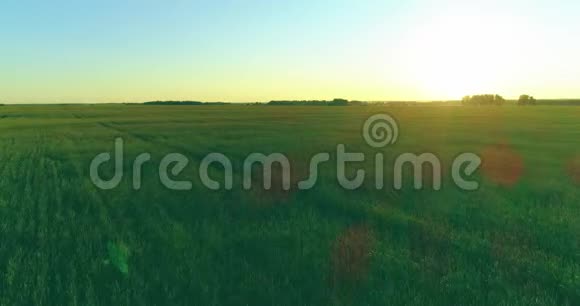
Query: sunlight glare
point(456, 55)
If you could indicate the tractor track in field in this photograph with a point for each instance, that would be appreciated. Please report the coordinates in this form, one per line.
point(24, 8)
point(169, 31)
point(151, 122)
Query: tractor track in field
point(199, 156)
point(131, 134)
point(154, 142)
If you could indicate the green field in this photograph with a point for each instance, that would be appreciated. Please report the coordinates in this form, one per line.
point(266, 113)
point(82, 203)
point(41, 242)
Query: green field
point(515, 241)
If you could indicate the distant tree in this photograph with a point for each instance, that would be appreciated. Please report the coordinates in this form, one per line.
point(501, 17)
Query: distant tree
point(498, 100)
point(523, 100)
point(526, 100)
point(466, 100)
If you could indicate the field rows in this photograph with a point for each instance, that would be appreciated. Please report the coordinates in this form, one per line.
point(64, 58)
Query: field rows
point(61, 236)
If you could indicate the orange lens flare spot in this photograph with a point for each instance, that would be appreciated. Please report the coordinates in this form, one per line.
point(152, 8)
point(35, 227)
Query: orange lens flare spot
point(502, 164)
point(573, 169)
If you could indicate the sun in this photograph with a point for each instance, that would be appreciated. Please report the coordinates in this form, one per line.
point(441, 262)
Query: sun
point(451, 56)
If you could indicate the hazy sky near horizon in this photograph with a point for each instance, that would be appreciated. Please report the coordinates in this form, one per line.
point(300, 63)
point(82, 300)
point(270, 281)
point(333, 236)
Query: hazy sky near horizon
point(122, 50)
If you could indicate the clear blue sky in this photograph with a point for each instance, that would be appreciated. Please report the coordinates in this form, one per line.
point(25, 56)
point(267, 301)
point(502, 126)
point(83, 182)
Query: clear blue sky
point(113, 51)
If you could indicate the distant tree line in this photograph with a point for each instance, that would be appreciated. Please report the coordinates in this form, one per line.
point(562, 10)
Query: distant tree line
point(523, 100)
point(478, 100)
point(173, 103)
point(335, 102)
point(184, 103)
point(481, 100)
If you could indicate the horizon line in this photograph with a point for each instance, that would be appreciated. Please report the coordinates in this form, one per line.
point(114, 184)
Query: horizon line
point(265, 102)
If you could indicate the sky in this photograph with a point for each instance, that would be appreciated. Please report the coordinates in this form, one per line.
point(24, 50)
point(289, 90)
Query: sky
point(245, 51)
